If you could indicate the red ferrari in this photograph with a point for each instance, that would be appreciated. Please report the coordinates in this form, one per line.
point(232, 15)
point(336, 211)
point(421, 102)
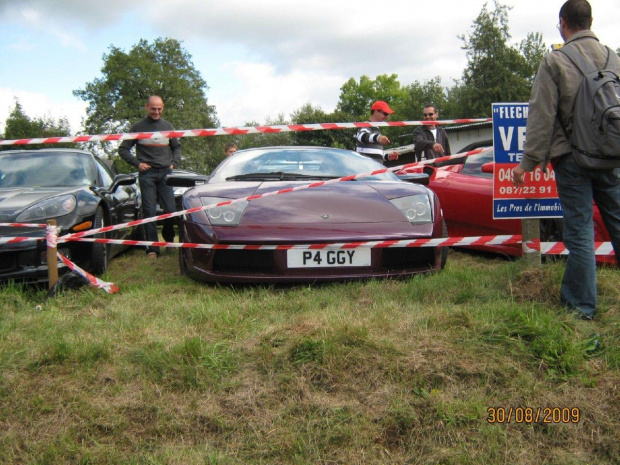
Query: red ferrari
point(465, 192)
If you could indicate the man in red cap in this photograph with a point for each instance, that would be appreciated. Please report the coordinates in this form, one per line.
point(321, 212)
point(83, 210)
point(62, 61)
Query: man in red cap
point(370, 141)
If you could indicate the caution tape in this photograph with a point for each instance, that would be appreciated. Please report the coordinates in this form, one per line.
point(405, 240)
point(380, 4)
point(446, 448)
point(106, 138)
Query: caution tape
point(426, 242)
point(110, 288)
point(23, 225)
point(234, 131)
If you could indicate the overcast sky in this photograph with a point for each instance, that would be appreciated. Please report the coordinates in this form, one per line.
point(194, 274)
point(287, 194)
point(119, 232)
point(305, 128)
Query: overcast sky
point(260, 58)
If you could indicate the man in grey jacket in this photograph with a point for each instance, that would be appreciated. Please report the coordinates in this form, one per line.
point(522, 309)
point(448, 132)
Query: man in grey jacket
point(155, 158)
point(553, 98)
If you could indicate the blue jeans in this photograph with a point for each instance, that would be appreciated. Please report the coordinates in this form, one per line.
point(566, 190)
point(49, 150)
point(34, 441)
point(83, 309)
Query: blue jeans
point(577, 188)
point(153, 188)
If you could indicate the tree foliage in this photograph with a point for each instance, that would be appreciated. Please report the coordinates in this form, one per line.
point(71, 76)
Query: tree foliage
point(116, 100)
point(20, 126)
point(496, 71)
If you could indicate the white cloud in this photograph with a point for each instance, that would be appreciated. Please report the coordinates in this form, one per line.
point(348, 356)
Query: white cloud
point(37, 105)
point(266, 94)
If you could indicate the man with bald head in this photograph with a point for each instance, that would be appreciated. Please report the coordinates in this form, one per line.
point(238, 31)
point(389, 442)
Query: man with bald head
point(155, 158)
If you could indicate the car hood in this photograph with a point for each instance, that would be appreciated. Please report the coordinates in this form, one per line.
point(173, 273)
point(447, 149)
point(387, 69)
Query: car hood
point(15, 200)
point(337, 203)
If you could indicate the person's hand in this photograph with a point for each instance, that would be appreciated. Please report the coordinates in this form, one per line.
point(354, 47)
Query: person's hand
point(383, 140)
point(437, 147)
point(393, 156)
point(144, 166)
point(518, 175)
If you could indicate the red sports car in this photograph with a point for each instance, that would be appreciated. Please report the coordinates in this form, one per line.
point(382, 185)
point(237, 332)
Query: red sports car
point(372, 208)
point(465, 191)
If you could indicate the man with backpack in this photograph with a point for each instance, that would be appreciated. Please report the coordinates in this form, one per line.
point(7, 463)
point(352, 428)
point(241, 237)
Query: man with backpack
point(583, 155)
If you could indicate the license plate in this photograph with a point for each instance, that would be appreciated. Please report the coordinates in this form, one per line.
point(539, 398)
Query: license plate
point(326, 258)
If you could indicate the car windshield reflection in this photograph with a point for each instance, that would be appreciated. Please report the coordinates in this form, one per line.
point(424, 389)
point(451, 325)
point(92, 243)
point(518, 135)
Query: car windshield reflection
point(31, 169)
point(276, 164)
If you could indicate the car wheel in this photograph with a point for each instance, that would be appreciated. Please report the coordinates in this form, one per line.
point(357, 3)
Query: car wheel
point(182, 261)
point(444, 251)
point(100, 252)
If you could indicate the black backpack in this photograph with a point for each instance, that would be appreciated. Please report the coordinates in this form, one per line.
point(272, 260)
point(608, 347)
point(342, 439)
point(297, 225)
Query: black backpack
point(595, 138)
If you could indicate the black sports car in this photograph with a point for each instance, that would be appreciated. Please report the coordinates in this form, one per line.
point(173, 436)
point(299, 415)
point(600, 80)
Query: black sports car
point(75, 188)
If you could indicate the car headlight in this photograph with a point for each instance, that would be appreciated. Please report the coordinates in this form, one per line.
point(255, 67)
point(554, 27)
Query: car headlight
point(228, 215)
point(416, 208)
point(49, 208)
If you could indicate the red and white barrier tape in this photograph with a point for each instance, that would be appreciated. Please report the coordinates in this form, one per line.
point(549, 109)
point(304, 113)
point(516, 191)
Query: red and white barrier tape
point(110, 288)
point(233, 131)
point(437, 242)
point(51, 235)
point(352, 177)
point(550, 248)
point(23, 225)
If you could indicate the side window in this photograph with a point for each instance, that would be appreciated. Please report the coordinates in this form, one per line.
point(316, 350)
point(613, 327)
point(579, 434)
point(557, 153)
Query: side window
point(105, 174)
point(473, 164)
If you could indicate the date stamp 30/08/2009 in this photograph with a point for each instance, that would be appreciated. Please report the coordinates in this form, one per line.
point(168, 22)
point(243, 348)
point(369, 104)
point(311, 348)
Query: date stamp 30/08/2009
point(545, 415)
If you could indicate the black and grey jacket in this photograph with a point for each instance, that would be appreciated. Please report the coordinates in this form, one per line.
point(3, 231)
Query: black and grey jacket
point(424, 141)
point(367, 143)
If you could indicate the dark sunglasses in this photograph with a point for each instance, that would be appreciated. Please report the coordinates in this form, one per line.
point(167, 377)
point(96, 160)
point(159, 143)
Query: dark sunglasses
point(384, 113)
point(428, 114)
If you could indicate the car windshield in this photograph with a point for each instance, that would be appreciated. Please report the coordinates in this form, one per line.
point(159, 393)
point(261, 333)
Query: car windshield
point(45, 169)
point(284, 163)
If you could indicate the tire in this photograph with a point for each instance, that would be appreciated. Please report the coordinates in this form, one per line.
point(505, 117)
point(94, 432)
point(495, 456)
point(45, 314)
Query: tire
point(182, 262)
point(100, 252)
point(444, 251)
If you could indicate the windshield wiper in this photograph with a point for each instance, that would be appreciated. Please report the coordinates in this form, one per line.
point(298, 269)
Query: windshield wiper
point(278, 176)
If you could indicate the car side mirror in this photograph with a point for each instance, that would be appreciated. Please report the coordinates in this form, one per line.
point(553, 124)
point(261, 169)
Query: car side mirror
point(185, 180)
point(488, 168)
point(119, 180)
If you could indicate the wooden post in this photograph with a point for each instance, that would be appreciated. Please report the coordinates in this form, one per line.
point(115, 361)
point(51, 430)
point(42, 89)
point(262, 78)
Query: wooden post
point(530, 231)
point(52, 260)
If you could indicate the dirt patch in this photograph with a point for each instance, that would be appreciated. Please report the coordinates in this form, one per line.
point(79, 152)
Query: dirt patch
point(535, 285)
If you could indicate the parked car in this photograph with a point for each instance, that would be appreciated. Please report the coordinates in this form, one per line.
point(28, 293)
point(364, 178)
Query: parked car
point(75, 188)
point(373, 208)
point(465, 189)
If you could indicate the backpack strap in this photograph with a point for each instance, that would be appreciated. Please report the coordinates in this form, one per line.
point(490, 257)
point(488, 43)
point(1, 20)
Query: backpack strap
point(581, 63)
point(584, 66)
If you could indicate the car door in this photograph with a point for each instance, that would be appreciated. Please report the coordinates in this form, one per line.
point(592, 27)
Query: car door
point(466, 197)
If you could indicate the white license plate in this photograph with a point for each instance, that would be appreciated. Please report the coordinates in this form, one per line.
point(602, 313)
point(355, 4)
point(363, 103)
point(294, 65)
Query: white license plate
point(325, 258)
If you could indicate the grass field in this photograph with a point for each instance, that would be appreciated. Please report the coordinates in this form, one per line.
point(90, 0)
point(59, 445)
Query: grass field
point(477, 364)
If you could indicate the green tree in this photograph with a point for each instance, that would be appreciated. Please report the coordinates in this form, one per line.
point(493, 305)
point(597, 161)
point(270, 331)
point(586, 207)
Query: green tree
point(533, 50)
point(20, 126)
point(357, 97)
point(496, 71)
point(266, 139)
point(116, 100)
point(309, 114)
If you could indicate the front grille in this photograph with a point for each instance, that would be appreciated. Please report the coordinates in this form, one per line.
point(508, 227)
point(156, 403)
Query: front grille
point(243, 261)
point(403, 258)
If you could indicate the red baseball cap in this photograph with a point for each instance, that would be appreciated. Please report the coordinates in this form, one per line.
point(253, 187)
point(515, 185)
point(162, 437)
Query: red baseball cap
point(381, 106)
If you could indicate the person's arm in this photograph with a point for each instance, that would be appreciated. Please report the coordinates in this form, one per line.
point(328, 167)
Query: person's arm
point(175, 147)
point(542, 112)
point(124, 151)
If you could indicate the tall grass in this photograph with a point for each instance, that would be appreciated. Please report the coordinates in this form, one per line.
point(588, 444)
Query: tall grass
point(170, 371)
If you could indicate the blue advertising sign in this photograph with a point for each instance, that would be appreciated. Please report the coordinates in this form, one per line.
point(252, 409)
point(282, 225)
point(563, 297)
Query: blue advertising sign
point(538, 198)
